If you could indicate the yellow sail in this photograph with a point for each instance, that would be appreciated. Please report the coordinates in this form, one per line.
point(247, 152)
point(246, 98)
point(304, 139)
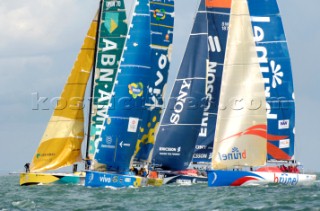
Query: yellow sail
point(61, 143)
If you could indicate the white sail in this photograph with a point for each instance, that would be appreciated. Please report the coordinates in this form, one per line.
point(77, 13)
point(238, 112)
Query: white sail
point(240, 138)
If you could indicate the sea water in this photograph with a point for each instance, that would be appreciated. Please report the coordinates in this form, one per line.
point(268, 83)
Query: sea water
point(168, 197)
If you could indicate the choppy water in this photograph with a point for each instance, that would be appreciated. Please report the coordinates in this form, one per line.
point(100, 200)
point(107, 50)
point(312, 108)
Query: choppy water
point(196, 197)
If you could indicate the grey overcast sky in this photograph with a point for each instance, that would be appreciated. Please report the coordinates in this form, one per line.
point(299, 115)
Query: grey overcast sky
point(40, 39)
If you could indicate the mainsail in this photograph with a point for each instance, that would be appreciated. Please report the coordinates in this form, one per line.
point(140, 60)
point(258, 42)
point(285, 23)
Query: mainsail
point(122, 125)
point(218, 13)
point(162, 20)
point(240, 138)
point(61, 143)
point(111, 38)
point(274, 60)
point(181, 122)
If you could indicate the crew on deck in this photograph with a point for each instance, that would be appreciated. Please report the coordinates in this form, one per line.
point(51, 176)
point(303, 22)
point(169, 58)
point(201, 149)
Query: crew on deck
point(27, 167)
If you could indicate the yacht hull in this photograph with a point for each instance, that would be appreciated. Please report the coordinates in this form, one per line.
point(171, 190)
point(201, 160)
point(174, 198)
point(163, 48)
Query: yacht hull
point(242, 178)
point(181, 179)
point(115, 180)
point(31, 178)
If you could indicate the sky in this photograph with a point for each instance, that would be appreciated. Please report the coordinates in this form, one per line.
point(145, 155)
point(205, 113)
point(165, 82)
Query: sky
point(40, 39)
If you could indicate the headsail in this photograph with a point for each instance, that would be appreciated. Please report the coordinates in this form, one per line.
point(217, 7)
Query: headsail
point(111, 38)
point(240, 138)
point(162, 20)
point(218, 24)
point(275, 65)
point(121, 128)
point(61, 143)
point(181, 122)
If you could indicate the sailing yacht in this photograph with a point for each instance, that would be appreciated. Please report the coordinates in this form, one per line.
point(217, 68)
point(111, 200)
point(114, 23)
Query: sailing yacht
point(181, 121)
point(62, 140)
point(61, 143)
point(130, 96)
point(256, 78)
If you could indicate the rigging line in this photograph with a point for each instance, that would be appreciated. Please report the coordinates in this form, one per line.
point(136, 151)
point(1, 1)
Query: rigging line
point(92, 83)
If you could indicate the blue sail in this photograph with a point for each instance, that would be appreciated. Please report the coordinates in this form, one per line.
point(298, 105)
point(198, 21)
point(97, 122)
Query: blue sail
point(275, 65)
point(181, 122)
point(121, 128)
point(162, 20)
point(218, 22)
point(112, 31)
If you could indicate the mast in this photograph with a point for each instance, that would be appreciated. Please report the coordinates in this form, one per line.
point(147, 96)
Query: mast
point(92, 84)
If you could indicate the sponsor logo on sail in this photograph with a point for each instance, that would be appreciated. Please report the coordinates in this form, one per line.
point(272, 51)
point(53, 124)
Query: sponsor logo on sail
point(45, 155)
point(114, 3)
point(170, 149)
point(159, 14)
point(108, 65)
point(112, 23)
point(285, 143)
point(284, 124)
point(201, 147)
point(198, 155)
point(259, 34)
point(211, 77)
point(133, 124)
point(235, 154)
point(136, 89)
point(155, 91)
point(181, 99)
point(214, 44)
point(109, 139)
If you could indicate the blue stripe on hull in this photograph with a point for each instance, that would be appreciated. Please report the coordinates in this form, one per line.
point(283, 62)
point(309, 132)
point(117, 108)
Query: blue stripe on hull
point(230, 178)
point(239, 178)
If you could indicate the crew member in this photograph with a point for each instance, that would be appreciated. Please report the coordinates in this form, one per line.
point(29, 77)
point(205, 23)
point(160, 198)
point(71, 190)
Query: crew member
point(27, 167)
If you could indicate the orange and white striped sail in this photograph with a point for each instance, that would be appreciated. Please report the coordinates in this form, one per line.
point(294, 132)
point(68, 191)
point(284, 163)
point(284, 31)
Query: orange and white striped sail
point(240, 138)
point(61, 143)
